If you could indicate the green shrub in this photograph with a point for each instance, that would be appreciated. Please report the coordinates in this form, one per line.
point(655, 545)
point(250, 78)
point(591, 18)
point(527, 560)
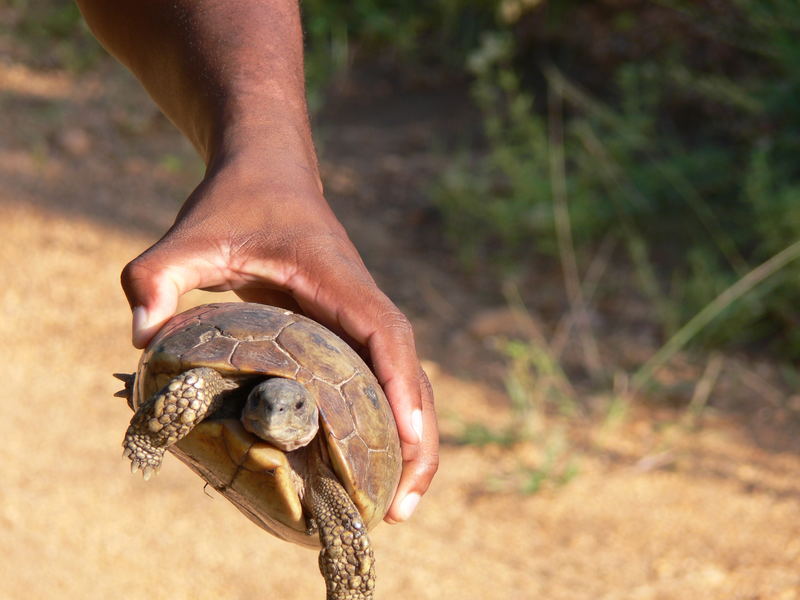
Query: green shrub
point(692, 164)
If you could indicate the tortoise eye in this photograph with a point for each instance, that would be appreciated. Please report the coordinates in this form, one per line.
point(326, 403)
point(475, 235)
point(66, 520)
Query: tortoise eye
point(299, 405)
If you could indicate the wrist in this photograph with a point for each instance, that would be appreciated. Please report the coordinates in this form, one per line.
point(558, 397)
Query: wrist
point(274, 147)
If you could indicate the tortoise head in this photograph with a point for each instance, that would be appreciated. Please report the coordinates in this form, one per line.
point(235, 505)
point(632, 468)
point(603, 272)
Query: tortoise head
point(282, 412)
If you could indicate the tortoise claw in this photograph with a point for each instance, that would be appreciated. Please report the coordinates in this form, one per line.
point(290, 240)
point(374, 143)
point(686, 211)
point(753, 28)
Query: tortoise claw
point(147, 470)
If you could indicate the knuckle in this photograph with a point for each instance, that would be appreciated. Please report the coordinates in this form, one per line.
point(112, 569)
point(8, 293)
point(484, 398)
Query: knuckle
point(425, 387)
point(394, 320)
point(428, 465)
point(138, 269)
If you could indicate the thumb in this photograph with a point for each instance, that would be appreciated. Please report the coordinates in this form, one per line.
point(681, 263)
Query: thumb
point(153, 282)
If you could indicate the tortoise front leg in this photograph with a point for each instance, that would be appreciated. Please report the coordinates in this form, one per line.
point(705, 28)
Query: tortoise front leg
point(346, 560)
point(170, 415)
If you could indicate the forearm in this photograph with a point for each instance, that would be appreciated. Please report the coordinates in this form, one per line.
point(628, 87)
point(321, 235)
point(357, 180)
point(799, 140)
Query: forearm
point(228, 74)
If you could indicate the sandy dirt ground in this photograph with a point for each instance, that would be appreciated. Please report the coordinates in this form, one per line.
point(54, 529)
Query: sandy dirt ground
point(89, 177)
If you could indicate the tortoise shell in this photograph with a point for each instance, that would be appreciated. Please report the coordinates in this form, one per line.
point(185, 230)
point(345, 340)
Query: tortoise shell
point(245, 342)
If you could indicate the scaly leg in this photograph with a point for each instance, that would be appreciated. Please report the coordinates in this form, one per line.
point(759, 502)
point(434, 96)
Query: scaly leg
point(170, 415)
point(346, 560)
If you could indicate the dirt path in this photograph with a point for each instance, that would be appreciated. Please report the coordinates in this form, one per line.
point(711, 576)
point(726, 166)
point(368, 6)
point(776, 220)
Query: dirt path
point(714, 516)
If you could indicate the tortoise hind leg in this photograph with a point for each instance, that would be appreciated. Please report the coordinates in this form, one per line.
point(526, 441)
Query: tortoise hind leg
point(346, 559)
point(170, 415)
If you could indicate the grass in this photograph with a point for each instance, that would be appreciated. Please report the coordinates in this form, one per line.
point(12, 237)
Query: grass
point(543, 392)
point(745, 285)
point(543, 399)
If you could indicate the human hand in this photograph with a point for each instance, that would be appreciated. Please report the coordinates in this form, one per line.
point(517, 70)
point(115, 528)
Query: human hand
point(279, 243)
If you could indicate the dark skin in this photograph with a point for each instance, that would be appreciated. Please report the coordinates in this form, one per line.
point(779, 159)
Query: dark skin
point(230, 76)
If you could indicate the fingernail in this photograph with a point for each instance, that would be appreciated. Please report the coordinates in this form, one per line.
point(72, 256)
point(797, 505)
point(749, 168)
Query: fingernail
point(140, 323)
point(416, 423)
point(408, 505)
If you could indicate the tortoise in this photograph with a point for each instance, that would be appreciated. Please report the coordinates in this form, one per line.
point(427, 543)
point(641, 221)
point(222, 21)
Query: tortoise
point(280, 416)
